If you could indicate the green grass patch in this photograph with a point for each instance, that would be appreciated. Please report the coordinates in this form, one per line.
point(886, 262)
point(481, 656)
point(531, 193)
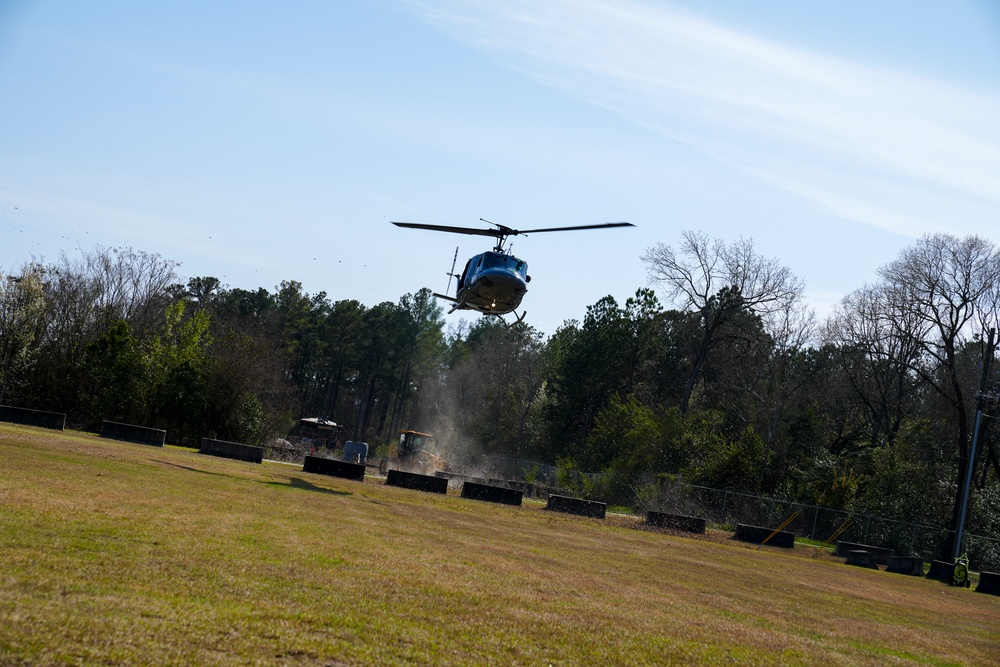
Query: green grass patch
point(112, 553)
point(806, 542)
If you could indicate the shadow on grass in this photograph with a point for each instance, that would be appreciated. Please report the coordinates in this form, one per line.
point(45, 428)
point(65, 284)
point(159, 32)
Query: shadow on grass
point(293, 482)
point(299, 483)
point(204, 472)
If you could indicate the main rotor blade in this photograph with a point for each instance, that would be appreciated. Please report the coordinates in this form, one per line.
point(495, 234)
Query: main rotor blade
point(606, 225)
point(445, 228)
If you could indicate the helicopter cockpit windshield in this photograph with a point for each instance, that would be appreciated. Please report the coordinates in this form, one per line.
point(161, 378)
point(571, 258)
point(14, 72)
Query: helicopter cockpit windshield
point(496, 260)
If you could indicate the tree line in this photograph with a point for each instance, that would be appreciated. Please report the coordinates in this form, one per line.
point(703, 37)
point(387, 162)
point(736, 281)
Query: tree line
point(731, 382)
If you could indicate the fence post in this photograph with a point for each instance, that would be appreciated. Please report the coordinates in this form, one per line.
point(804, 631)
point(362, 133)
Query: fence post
point(812, 533)
point(868, 525)
point(725, 497)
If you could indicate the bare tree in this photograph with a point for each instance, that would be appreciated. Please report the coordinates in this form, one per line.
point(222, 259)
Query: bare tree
point(790, 329)
point(878, 348)
point(85, 297)
point(103, 286)
point(131, 285)
point(949, 288)
point(721, 284)
point(919, 327)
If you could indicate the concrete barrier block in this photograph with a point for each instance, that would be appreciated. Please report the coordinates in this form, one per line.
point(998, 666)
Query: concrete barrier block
point(231, 450)
point(989, 583)
point(757, 534)
point(29, 417)
point(882, 555)
point(862, 558)
point(491, 494)
point(334, 468)
point(941, 570)
point(909, 565)
point(132, 433)
point(688, 524)
point(416, 481)
point(577, 506)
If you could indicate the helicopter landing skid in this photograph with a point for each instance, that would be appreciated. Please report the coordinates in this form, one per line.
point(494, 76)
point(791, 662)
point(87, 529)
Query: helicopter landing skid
point(517, 318)
point(458, 304)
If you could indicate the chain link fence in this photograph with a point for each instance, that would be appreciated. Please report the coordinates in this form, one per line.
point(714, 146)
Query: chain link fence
point(725, 509)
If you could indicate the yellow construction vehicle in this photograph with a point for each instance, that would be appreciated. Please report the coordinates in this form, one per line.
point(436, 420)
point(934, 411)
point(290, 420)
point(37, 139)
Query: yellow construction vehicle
point(414, 452)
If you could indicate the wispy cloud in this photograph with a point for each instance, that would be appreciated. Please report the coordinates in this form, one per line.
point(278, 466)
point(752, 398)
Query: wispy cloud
point(885, 148)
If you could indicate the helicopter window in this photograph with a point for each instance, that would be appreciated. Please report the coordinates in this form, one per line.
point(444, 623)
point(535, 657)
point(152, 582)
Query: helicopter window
point(491, 260)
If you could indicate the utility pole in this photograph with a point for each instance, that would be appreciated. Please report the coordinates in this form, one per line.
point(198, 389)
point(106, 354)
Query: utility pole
point(967, 479)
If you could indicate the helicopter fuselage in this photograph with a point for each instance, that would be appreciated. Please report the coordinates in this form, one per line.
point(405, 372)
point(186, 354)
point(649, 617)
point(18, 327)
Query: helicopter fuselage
point(492, 283)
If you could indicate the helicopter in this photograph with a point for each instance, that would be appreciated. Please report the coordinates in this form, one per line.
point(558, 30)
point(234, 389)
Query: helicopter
point(494, 282)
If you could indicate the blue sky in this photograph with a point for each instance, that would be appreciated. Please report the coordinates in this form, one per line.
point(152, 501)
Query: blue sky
point(260, 143)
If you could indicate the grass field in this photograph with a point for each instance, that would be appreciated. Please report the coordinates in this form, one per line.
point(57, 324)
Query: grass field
point(112, 553)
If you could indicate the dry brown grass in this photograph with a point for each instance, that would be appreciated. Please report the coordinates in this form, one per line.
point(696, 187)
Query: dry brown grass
point(124, 554)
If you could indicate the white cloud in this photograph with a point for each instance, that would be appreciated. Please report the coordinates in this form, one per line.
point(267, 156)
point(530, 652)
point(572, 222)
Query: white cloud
point(884, 148)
